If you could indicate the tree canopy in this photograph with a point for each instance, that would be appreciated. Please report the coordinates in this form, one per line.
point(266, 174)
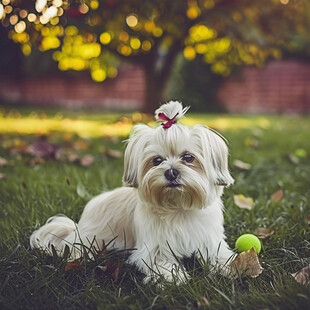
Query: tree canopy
point(96, 35)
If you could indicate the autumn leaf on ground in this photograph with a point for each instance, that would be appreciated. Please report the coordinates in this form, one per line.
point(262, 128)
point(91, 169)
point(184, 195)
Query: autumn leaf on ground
point(251, 142)
point(81, 145)
point(263, 233)
point(244, 202)
point(241, 165)
point(72, 157)
point(87, 160)
point(19, 147)
point(112, 153)
point(277, 196)
point(75, 265)
point(42, 148)
point(302, 276)
point(246, 263)
point(3, 162)
point(294, 159)
point(34, 161)
point(113, 269)
point(204, 302)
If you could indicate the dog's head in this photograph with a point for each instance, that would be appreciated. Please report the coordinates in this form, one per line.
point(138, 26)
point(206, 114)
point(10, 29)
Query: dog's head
point(174, 166)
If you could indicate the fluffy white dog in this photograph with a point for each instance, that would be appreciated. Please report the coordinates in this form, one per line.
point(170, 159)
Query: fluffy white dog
point(169, 207)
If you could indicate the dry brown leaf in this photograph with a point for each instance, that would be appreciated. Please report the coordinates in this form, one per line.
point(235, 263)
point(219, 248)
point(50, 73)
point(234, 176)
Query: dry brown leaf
point(72, 157)
point(294, 159)
point(87, 160)
point(74, 265)
point(241, 165)
point(113, 269)
point(246, 263)
point(204, 302)
point(302, 276)
point(263, 233)
point(244, 202)
point(81, 145)
point(112, 153)
point(43, 148)
point(3, 162)
point(277, 196)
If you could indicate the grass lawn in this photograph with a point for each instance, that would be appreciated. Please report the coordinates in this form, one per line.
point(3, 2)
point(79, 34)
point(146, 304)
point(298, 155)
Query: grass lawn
point(54, 162)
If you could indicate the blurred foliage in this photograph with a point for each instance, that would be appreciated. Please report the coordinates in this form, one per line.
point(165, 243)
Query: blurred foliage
point(194, 84)
point(93, 35)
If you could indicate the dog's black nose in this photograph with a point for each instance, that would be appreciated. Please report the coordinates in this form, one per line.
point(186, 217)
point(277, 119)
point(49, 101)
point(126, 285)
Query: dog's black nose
point(171, 174)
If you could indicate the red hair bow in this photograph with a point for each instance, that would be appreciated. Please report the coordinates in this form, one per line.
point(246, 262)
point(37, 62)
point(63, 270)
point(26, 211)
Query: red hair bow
point(169, 121)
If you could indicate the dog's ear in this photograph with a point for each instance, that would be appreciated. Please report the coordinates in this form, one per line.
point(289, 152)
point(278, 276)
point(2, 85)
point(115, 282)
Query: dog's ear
point(136, 144)
point(215, 153)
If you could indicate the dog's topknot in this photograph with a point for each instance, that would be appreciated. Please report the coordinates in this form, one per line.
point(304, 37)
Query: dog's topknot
point(169, 113)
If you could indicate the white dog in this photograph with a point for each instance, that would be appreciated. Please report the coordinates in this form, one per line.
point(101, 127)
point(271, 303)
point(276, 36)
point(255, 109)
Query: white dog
point(169, 207)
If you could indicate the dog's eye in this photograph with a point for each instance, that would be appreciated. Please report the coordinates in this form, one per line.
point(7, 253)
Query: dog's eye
point(188, 158)
point(157, 161)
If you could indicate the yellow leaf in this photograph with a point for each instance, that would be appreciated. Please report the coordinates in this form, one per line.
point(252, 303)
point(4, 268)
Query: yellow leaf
point(241, 165)
point(244, 202)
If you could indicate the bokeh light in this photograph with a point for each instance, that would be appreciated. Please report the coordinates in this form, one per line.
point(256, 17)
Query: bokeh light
point(132, 20)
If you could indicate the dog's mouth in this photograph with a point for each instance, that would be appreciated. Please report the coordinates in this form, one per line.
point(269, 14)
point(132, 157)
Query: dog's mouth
point(173, 184)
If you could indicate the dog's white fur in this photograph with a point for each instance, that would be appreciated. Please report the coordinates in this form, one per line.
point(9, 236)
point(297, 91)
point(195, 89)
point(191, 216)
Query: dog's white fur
point(162, 222)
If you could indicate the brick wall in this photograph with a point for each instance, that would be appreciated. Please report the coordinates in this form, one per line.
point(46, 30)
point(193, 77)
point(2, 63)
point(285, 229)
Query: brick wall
point(281, 87)
point(126, 92)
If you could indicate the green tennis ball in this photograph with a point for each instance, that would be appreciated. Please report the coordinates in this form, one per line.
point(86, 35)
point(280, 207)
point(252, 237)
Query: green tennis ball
point(248, 241)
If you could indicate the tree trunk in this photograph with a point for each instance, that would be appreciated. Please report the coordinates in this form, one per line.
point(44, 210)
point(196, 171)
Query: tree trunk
point(154, 89)
point(157, 69)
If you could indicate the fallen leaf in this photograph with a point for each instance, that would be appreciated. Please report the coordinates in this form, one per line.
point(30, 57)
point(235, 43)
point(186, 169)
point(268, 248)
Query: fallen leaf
point(36, 161)
point(263, 233)
point(87, 160)
point(19, 147)
point(3, 162)
point(43, 148)
point(81, 145)
point(244, 202)
point(277, 196)
point(72, 157)
point(241, 165)
point(112, 153)
point(246, 263)
point(2, 176)
point(294, 159)
point(113, 269)
point(251, 142)
point(204, 302)
point(68, 180)
point(302, 276)
point(74, 265)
